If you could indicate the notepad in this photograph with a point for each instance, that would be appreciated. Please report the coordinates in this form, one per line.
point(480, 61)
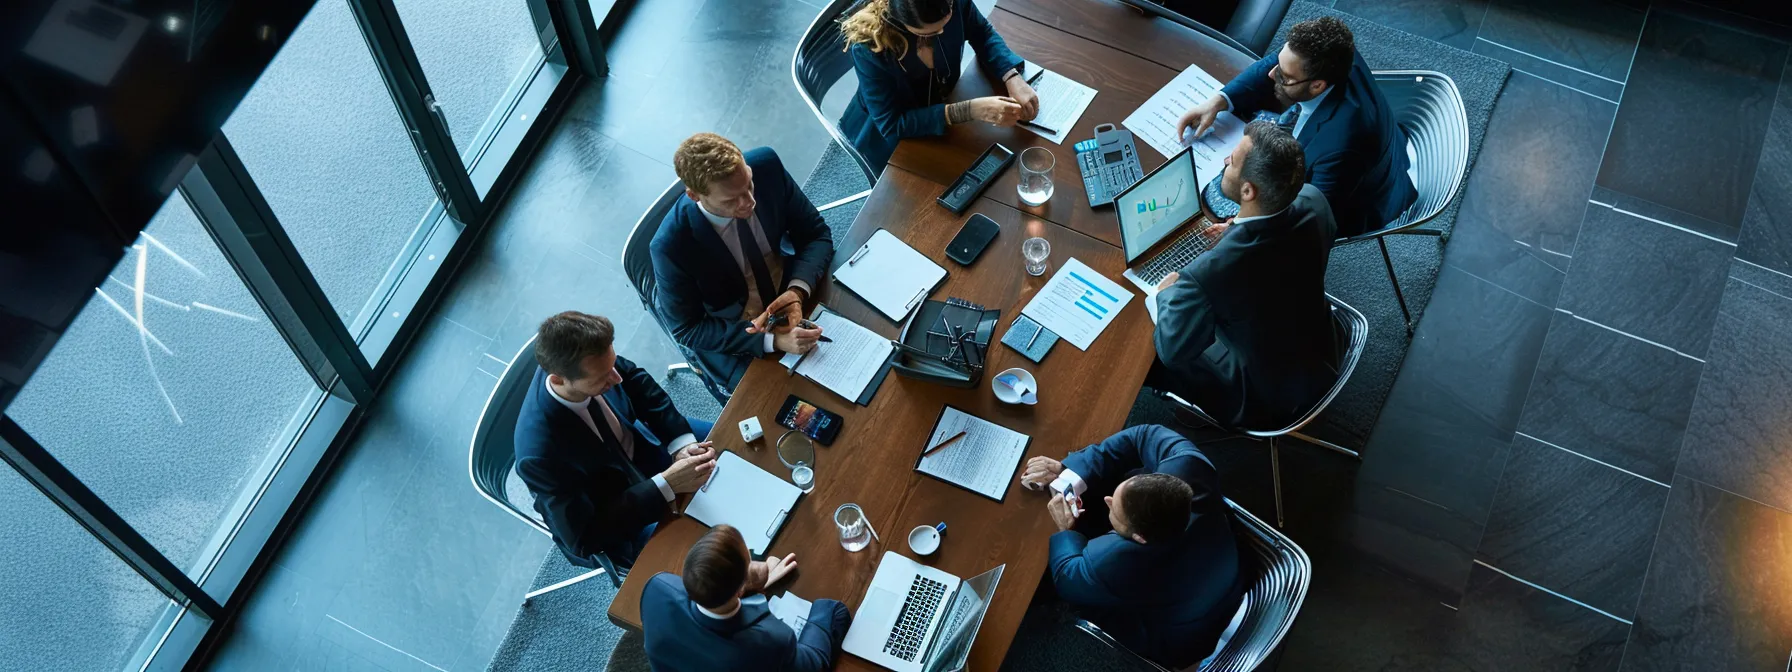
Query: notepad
point(855, 359)
point(741, 494)
point(984, 461)
point(1029, 338)
point(890, 275)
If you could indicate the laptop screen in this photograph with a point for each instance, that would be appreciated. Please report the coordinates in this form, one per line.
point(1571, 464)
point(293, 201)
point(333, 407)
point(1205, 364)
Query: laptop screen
point(958, 628)
point(1154, 207)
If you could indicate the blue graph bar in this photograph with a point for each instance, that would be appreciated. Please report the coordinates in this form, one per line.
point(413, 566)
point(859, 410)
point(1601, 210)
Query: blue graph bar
point(1093, 288)
point(1085, 300)
point(1084, 304)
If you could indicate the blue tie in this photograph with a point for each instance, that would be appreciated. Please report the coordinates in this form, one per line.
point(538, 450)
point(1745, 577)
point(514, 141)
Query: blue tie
point(1287, 119)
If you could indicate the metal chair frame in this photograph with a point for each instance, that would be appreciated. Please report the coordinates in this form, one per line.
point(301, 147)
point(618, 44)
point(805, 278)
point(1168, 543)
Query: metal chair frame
point(1432, 115)
point(1270, 606)
point(819, 63)
point(637, 264)
point(1153, 9)
point(1359, 337)
point(492, 486)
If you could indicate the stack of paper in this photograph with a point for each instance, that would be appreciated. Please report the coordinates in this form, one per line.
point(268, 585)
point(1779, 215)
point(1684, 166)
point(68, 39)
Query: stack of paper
point(984, 461)
point(741, 494)
point(792, 610)
point(848, 364)
point(1077, 303)
point(1155, 122)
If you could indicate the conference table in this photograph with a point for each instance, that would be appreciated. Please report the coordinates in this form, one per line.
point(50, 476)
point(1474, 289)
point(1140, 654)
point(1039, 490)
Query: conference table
point(1084, 396)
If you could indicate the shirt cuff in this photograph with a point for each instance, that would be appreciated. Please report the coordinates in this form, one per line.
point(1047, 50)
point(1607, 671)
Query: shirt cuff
point(768, 343)
point(678, 444)
point(1069, 479)
point(665, 488)
point(1229, 105)
point(807, 290)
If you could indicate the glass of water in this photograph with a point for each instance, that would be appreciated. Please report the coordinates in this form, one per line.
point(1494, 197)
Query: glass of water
point(855, 530)
point(1035, 250)
point(1036, 165)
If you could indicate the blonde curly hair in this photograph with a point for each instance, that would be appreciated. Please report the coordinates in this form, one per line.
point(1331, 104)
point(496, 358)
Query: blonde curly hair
point(705, 159)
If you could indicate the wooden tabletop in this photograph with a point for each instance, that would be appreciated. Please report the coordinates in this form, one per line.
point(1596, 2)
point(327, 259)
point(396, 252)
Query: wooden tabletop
point(1084, 396)
point(1123, 82)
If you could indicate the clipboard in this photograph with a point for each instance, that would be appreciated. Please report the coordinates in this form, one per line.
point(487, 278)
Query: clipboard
point(741, 494)
point(1008, 476)
point(890, 275)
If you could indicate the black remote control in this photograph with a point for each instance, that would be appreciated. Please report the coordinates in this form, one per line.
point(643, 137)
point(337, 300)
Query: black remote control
point(968, 186)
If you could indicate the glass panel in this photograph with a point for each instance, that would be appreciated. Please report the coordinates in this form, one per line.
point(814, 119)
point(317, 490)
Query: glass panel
point(171, 395)
point(476, 55)
point(70, 603)
point(329, 152)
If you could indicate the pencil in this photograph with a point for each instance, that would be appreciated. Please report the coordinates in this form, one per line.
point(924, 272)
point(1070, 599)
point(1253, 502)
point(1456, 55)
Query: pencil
point(943, 444)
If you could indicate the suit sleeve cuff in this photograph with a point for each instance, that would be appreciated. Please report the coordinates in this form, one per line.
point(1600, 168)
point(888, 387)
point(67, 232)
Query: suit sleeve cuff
point(1229, 105)
point(799, 284)
point(678, 444)
point(1069, 479)
point(665, 488)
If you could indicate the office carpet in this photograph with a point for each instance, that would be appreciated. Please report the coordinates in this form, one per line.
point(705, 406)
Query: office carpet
point(836, 177)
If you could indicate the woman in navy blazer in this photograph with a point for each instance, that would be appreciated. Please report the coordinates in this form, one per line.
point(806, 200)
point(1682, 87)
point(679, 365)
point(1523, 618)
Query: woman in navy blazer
point(907, 54)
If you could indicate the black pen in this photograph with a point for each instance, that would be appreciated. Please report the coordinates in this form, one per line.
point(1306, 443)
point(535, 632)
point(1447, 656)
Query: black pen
point(823, 338)
point(1031, 81)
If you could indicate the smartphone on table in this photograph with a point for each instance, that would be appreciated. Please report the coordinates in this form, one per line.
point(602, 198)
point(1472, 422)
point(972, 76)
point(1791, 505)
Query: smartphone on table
point(815, 422)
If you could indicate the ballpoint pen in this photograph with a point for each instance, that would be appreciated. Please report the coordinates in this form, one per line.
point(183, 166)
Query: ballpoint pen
point(943, 444)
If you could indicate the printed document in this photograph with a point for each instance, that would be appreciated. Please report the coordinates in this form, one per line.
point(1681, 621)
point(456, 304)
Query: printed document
point(792, 610)
point(1077, 303)
point(1155, 122)
point(1062, 101)
point(984, 461)
point(847, 365)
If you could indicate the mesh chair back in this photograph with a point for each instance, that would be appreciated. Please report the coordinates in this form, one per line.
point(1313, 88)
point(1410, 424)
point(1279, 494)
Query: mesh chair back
point(637, 253)
point(1282, 572)
point(493, 453)
point(1429, 109)
point(1150, 8)
point(1353, 323)
point(820, 62)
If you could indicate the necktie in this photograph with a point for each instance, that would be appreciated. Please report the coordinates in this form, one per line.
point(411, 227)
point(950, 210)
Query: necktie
point(1287, 119)
point(603, 429)
point(749, 248)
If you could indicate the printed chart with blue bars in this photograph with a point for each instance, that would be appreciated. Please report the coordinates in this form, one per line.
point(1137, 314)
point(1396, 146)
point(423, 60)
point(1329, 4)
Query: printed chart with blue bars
point(1077, 303)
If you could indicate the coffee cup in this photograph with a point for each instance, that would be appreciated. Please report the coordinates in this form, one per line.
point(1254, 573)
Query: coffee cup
point(925, 539)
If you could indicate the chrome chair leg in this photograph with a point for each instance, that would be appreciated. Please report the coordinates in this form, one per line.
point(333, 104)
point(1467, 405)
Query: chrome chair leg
point(844, 201)
point(1322, 443)
point(1398, 295)
point(577, 579)
point(1275, 471)
point(675, 368)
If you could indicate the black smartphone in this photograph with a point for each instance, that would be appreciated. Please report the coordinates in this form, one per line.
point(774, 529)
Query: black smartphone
point(816, 423)
point(972, 238)
point(969, 185)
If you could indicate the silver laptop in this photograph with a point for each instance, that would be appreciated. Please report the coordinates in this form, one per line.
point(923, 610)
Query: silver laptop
point(1154, 216)
point(919, 619)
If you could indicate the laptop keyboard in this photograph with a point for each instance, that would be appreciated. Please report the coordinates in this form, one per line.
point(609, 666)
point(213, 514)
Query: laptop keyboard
point(1188, 245)
point(924, 597)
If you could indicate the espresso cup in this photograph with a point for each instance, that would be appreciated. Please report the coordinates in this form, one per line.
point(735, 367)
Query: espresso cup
point(925, 539)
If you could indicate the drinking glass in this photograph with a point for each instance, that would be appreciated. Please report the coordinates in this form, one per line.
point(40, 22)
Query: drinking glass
point(1035, 250)
point(855, 530)
point(1036, 165)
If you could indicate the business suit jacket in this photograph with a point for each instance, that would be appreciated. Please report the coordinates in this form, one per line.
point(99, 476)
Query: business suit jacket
point(699, 291)
point(1356, 152)
point(898, 98)
point(593, 498)
point(1246, 332)
point(1169, 599)
point(681, 639)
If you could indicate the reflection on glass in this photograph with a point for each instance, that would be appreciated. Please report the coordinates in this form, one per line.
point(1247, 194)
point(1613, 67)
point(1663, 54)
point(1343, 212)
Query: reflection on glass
point(171, 395)
point(321, 138)
point(472, 52)
point(70, 603)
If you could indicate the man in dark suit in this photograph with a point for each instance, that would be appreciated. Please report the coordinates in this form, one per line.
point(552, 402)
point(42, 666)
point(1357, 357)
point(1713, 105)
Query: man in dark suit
point(741, 245)
point(1152, 560)
point(600, 445)
point(1245, 331)
point(713, 618)
point(1322, 91)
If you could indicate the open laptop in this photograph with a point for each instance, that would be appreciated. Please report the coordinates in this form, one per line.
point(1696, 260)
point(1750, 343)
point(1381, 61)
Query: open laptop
point(919, 619)
point(1154, 216)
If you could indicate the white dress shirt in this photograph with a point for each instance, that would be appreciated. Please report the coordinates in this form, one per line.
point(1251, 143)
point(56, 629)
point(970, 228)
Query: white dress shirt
point(583, 409)
point(750, 599)
point(723, 226)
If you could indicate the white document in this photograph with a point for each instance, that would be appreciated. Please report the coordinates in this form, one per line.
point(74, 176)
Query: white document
point(1155, 122)
point(741, 494)
point(983, 461)
point(847, 365)
point(792, 610)
point(1077, 303)
point(1062, 101)
point(889, 275)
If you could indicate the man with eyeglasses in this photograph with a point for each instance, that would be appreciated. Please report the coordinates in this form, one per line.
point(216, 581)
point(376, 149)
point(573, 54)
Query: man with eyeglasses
point(1319, 89)
point(741, 246)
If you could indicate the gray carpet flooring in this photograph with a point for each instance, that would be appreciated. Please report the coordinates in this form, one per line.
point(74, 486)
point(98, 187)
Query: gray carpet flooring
point(568, 629)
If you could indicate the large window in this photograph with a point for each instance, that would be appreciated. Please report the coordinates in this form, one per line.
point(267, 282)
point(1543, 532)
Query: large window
point(473, 51)
point(171, 393)
point(332, 157)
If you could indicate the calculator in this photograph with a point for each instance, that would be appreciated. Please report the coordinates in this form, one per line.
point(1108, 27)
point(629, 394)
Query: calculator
point(1109, 163)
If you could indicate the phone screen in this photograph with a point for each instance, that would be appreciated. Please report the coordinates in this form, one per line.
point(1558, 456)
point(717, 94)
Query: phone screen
point(804, 417)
